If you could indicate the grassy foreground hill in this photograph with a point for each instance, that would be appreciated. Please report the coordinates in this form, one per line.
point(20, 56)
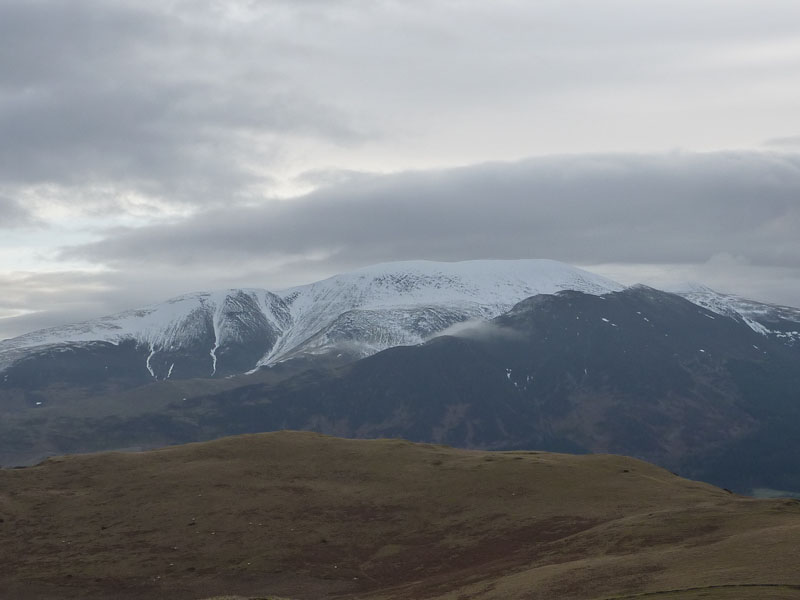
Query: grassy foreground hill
point(304, 516)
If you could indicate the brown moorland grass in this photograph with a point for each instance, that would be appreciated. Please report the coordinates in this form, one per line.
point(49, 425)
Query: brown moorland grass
point(304, 516)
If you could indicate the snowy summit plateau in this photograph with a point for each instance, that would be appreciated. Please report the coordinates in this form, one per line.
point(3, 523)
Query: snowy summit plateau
point(352, 315)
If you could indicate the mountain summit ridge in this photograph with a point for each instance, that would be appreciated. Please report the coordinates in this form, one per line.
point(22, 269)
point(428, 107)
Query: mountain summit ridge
point(350, 315)
point(360, 312)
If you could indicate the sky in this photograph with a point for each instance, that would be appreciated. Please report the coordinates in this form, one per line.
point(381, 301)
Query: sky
point(152, 148)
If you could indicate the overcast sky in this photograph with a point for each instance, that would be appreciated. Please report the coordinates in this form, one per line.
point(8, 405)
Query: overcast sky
point(153, 148)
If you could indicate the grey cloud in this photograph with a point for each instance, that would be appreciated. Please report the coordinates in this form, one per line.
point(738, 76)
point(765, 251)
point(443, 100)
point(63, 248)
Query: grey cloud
point(150, 140)
point(195, 101)
point(12, 214)
point(788, 142)
point(145, 99)
point(37, 300)
point(675, 208)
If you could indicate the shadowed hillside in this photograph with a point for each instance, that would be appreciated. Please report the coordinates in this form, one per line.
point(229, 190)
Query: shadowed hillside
point(639, 372)
point(303, 516)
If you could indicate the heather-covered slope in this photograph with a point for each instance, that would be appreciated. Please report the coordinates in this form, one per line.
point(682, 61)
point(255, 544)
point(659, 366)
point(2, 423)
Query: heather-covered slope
point(302, 516)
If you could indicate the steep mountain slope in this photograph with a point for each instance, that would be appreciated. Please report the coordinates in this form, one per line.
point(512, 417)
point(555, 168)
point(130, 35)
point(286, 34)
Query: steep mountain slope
point(638, 372)
point(781, 323)
point(221, 333)
point(193, 335)
point(404, 303)
point(303, 516)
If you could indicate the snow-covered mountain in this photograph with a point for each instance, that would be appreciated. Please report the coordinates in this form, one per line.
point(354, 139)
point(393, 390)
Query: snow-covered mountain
point(404, 303)
point(779, 322)
point(358, 313)
point(352, 315)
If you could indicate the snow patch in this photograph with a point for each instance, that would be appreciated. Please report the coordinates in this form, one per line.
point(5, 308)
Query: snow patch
point(147, 362)
point(750, 312)
point(217, 330)
point(756, 326)
point(213, 353)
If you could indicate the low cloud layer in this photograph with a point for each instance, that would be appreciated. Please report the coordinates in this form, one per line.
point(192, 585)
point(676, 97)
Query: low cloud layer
point(480, 330)
point(675, 208)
